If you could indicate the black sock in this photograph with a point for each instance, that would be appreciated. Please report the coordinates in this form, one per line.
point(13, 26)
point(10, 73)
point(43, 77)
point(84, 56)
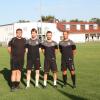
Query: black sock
point(13, 84)
point(17, 83)
point(73, 79)
point(65, 79)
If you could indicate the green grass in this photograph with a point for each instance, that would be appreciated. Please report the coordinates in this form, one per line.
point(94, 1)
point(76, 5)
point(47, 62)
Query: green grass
point(87, 64)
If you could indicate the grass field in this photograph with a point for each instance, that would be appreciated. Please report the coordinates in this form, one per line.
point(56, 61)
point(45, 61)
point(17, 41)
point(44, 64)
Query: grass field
point(87, 63)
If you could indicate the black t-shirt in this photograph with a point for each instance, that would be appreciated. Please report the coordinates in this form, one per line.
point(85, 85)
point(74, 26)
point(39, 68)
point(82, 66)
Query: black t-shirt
point(17, 47)
point(49, 49)
point(66, 49)
point(33, 48)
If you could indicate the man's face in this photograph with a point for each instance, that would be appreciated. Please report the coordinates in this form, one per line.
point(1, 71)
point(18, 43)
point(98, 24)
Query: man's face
point(19, 34)
point(49, 36)
point(65, 35)
point(33, 34)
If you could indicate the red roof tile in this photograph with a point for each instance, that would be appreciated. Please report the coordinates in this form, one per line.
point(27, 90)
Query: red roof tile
point(61, 27)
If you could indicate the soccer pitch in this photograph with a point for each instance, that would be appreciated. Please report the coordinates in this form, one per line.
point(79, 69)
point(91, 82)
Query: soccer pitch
point(87, 64)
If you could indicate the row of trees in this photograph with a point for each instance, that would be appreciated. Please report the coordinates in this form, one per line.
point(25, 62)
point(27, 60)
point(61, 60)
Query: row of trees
point(52, 19)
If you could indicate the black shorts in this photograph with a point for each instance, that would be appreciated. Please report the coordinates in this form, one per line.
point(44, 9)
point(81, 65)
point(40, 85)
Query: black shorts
point(35, 62)
point(16, 63)
point(50, 64)
point(69, 63)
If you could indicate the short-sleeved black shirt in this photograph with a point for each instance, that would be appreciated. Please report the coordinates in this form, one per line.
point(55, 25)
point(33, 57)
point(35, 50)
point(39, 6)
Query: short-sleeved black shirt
point(66, 49)
point(49, 49)
point(33, 48)
point(17, 47)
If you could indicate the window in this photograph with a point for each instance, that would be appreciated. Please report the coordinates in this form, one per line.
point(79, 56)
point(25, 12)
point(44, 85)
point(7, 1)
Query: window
point(61, 37)
point(73, 27)
point(82, 27)
point(39, 30)
point(91, 27)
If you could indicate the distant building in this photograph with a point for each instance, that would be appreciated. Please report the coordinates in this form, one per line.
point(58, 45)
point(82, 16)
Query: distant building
point(8, 31)
point(79, 31)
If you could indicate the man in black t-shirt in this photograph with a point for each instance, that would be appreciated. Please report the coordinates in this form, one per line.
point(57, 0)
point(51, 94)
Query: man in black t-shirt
point(33, 57)
point(16, 49)
point(68, 49)
point(48, 48)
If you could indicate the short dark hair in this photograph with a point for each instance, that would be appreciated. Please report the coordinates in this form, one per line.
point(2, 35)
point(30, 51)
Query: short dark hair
point(66, 32)
point(49, 32)
point(19, 29)
point(33, 30)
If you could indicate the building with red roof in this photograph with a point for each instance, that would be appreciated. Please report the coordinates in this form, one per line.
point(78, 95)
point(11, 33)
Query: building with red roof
point(90, 31)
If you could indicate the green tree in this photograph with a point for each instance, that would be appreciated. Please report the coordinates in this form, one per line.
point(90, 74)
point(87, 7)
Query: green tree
point(76, 20)
point(49, 18)
point(97, 20)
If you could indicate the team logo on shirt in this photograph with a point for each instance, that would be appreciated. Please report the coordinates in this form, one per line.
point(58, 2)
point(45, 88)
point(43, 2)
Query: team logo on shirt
point(69, 43)
point(52, 44)
point(37, 42)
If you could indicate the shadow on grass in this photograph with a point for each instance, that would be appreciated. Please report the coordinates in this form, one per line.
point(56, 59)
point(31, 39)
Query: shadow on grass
point(71, 96)
point(50, 79)
point(60, 82)
point(6, 74)
point(23, 76)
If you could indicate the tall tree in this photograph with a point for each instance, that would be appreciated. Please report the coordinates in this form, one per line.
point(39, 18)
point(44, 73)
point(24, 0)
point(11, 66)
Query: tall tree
point(48, 18)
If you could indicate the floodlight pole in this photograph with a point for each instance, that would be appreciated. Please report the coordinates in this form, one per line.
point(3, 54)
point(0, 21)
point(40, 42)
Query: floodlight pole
point(41, 14)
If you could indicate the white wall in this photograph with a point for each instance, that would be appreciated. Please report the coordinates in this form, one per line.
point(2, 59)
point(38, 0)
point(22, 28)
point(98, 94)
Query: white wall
point(67, 27)
point(9, 31)
point(78, 27)
point(6, 33)
point(95, 26)
point(52, 27)
point(78, 38)
point(26, 27)
point(86, 26)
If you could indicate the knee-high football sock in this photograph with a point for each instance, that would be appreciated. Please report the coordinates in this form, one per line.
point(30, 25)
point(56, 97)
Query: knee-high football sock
point(65, 79)
point(73, 79)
